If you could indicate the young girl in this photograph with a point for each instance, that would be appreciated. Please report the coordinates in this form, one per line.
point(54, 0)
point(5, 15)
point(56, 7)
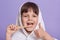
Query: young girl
point(30, 25)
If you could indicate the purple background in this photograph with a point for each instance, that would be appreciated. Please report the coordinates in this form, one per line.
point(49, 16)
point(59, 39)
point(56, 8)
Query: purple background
point(50, 11)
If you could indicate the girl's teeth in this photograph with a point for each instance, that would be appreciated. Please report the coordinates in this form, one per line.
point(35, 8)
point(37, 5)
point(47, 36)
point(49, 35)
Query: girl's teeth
point(30, 23)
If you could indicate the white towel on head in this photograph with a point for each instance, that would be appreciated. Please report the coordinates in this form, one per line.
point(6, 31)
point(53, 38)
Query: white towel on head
point(40, 19)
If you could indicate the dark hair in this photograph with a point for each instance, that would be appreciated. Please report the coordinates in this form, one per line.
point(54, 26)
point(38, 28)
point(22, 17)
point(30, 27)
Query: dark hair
point(29, 5)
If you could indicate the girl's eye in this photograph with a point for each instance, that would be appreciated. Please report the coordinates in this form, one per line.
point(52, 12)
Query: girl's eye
point(34, 16)
point(25, 16)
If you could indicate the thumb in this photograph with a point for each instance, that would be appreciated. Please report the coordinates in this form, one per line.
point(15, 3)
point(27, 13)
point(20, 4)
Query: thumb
point(40, 26)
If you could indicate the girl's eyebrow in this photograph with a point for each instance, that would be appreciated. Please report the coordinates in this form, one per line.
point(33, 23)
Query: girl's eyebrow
point(25, 14)
point(35, 14)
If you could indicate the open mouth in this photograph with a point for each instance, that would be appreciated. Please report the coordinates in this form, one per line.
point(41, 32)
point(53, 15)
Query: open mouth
point(29, 23)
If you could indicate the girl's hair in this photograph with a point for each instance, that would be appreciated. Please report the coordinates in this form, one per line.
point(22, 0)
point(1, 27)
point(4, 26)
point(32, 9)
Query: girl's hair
point(29, 5)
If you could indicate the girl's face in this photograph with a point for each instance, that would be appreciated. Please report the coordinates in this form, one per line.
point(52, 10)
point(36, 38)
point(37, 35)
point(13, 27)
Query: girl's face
point(29, 20)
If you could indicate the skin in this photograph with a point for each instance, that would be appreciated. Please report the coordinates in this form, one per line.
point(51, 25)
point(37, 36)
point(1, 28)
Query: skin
point(29, 17)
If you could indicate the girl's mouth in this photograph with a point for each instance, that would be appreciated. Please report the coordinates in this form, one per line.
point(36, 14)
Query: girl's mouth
point(30, 24)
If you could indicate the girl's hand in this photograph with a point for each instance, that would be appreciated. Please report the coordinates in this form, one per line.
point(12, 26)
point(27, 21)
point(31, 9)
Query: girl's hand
point(40, 33)
point(11, 29)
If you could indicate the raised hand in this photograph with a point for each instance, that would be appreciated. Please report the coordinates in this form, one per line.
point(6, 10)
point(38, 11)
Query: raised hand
point(11, 29)
point(40, 33)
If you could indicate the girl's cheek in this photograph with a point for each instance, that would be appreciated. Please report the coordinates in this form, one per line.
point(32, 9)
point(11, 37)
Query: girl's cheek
point(25, 20)
point(35, 19)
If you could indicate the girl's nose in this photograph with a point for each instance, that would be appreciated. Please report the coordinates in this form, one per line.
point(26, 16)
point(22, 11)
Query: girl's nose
point(29, 18)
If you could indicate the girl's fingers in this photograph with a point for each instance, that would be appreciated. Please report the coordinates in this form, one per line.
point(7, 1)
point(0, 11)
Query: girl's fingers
point(37, 33)
point(14, 27)
point(40, 26)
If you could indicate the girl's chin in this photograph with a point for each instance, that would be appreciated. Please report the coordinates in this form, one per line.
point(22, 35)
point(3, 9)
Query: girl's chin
point(28, 29)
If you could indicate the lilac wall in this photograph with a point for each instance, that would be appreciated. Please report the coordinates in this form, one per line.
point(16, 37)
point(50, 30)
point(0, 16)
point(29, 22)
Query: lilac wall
point(50, 11)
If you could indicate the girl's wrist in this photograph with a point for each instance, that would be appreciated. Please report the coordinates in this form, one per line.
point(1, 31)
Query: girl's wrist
point(8, 37)
point(43, 36)
point(47, 36)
